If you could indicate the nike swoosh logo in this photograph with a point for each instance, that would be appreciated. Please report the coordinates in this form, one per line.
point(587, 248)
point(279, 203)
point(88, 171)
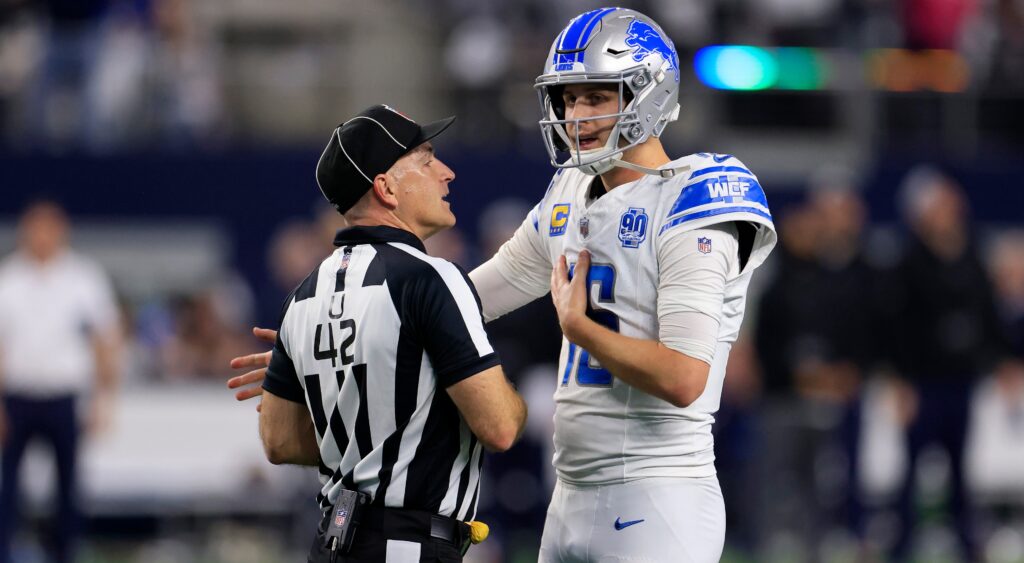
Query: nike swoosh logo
point(620, 525)
point(720, 158)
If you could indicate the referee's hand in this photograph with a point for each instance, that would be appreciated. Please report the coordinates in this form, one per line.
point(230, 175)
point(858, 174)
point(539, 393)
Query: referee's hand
point(254, 378)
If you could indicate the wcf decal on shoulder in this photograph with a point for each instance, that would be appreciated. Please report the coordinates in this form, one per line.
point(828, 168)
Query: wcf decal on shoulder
point(727, 188)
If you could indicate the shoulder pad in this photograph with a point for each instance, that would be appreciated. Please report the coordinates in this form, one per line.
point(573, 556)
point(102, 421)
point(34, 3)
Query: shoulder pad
point(722, 187)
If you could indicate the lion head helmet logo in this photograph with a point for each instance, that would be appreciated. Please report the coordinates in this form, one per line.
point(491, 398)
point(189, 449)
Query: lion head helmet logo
point(645, 41)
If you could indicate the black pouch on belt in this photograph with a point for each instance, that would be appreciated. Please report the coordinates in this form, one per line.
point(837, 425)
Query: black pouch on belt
point(343, 521)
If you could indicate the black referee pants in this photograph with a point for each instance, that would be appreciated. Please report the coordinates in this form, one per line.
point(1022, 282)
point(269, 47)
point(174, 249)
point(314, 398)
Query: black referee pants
point(395, 536)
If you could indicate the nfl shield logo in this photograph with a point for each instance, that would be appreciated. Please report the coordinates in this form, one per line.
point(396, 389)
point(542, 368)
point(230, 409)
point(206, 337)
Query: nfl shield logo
point(584, 227)
point(339, 518)
point(704, 245)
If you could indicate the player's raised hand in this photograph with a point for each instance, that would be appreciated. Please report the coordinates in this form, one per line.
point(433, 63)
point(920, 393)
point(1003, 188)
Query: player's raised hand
point(570, 296)
point(253, 378)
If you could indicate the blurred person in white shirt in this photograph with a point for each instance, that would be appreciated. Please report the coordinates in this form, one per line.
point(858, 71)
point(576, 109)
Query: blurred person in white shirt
point(58, 343)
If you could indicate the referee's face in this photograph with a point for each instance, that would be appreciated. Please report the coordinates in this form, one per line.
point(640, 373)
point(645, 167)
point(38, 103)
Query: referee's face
point(422, 188)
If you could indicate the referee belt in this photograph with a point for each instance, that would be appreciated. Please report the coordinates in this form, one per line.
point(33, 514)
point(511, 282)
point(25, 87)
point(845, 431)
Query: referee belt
point(409, 524)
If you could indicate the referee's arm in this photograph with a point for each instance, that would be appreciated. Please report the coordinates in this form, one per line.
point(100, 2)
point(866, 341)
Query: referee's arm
point(448, 317)
point(286, 427)
point(493, 410)
point(287, 432)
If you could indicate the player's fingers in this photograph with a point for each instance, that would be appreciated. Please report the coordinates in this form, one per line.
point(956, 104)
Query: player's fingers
point(261, 359)
point(558, 273)
point(246, 394)
point(244, 361)
point(579, 276)
point(584, 260)
point(253, 376)
point(265, 334)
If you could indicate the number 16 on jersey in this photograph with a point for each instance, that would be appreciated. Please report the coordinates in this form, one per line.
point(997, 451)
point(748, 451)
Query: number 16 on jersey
point(589, 372)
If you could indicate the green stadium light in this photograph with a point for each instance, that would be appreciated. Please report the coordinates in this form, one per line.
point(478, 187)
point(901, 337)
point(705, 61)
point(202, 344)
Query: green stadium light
point(800, 68)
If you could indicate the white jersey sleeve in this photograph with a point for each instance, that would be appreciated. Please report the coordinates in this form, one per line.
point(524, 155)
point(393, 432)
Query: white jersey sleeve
point(695, 267)
point(524, 259)
point(498, 295)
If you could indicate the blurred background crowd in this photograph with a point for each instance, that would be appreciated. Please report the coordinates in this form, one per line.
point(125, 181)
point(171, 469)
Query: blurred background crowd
point(878, 380)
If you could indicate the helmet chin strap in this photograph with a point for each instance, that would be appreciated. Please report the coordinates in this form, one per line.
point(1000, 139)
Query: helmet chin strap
point(600, 167)
point(663, 172)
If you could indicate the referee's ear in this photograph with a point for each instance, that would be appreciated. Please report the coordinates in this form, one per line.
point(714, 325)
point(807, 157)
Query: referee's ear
point(384, 191)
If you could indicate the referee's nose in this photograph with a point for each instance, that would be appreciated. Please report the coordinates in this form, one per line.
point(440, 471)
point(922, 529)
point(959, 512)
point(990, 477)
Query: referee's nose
point(447, 174)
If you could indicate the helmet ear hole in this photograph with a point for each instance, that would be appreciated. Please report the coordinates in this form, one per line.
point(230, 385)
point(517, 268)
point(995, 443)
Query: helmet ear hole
point(557, 103)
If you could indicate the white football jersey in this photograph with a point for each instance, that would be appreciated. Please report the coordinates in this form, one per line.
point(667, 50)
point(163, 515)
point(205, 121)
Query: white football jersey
point(605, 430)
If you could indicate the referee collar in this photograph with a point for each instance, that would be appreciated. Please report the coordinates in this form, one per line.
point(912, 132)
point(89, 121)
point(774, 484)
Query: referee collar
point(375, 235)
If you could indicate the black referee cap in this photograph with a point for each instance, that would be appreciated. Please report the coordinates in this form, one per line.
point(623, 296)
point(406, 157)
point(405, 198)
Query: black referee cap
point(366, 145)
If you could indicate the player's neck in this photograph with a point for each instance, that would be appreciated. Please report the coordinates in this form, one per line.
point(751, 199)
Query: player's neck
point(650, 154)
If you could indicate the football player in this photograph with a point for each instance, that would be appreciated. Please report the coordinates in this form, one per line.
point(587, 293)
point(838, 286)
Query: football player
point(659, 253)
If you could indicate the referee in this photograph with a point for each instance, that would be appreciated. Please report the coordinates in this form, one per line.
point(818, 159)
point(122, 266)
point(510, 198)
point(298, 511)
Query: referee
point(382, 374)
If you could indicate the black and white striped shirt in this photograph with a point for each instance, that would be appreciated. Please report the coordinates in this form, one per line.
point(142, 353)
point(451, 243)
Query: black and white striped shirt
point(369, 342)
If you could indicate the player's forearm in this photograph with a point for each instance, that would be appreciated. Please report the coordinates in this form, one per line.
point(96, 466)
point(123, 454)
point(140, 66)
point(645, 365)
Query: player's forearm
point(647, 365)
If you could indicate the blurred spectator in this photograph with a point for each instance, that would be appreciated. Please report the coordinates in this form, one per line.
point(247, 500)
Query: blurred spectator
point(1007, 30)
point(451, 245)
point(63, 94)
point(114, 112)
point(794, 271)
point(327, 222)
point(785, 314)
point(935, 24)
point(816, 331)
point(58, 341)
point(737, 445)
point(849, 291)
point(188, 87)
point(1008, 277)
point(210, 329)
point(946, 333)
point(293, 253)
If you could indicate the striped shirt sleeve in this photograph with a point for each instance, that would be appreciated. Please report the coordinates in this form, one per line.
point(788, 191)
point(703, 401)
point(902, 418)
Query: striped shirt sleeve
point(281, 378)
point(449, 322)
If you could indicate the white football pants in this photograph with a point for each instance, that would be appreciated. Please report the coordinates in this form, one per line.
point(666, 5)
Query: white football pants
point(663, 520)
